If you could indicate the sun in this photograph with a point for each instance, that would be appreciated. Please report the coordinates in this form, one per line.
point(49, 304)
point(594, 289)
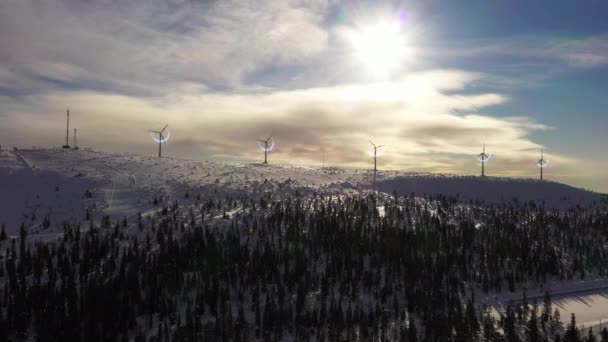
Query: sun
point(380, 47)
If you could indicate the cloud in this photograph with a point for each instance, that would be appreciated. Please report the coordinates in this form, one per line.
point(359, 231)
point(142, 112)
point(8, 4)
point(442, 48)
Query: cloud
point(531, 54)
point(424, 119)
point(222, 73)
point(146, 48)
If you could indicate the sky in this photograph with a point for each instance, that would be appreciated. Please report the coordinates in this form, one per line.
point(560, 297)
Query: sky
point(432, 80)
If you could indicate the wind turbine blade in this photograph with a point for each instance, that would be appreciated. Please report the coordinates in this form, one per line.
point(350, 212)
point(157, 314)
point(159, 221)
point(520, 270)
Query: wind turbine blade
point(371, 142)
point(162, 130)
point(380, 146)
point(154, 137)
point(153, 131)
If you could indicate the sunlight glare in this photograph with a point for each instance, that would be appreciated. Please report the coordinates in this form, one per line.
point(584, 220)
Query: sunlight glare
point(380, 47)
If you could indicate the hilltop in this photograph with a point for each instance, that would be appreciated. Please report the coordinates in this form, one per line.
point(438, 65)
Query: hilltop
point(187, 248)
point(63, 184)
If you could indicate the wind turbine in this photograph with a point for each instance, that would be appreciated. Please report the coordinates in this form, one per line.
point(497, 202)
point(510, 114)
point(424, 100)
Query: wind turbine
point(375, 155)
point(67, 132)
point(542, 163)
point(483, 157)
point(74, 140)
point(266, 146)
point(322, 150)
point(161, 138)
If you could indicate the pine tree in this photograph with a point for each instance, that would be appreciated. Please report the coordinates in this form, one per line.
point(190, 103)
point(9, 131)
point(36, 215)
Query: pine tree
point(532, 333)
point(591, 336)
point(412, 331)
point(510, 334)
point(557, 316)
point(572, 331)
point(604, 335)
point(547, 309)
point(473, 323)
point(524, 305)
point(489, 331)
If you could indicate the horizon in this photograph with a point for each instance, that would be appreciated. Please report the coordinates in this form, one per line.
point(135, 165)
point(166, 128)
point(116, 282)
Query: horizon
point(432, 81)
point(307, 165)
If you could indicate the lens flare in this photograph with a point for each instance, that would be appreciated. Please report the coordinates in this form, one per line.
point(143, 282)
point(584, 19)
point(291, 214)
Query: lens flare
point(542, 164)
point(263, 147)
point(378, 154)
point(163, 140)
point(484, 157)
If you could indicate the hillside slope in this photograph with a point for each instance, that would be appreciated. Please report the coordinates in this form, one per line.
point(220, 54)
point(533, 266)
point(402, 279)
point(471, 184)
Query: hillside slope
point(63, 184)
point(494, 190)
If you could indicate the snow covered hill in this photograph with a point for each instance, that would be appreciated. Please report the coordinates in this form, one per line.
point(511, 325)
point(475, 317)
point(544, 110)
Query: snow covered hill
point(211, 223)
point(64, 184)
point(552, 195)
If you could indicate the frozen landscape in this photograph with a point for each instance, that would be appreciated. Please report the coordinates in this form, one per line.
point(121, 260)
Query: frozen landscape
point(123, 184)
point(48, 188)
point(315, 171)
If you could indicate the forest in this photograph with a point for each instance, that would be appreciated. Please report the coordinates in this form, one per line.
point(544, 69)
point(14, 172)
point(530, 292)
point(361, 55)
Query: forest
point(323, 267)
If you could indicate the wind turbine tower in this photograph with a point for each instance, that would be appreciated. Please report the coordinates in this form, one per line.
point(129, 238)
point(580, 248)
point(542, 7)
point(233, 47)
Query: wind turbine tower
point(74, 140)
point(375, 155)
point(484, 157)
point(266, 146)
point(67, 132)
point(542, 163)
point(161, 138)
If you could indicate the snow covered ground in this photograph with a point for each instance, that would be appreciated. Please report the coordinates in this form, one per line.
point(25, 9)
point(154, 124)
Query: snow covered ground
point(587, 299)
point(65, 184)
point(591, 309)
point(492, 189)
point(31, 194)
point(54, 181)
point(45, 181)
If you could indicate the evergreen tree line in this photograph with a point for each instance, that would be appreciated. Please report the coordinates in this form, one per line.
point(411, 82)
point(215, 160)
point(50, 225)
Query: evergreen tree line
point(313, 268)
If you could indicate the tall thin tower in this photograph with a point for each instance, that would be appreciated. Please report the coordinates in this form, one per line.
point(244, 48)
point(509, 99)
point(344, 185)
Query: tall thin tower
point(67, 132)
point(542, 163)
point(323, 164)
point(323, 158)
point(161, 138)
point(74, 140)
point(266, 146)
point(483, 163)
point(484, 157)
point(375, 155)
